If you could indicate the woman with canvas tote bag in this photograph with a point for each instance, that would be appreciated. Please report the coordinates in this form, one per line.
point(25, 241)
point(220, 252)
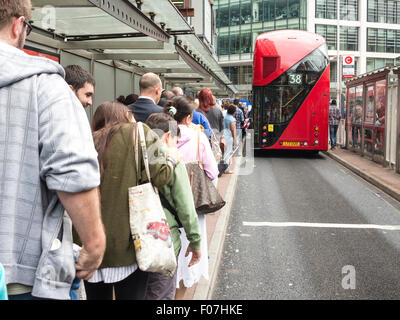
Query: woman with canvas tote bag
point(113, 126)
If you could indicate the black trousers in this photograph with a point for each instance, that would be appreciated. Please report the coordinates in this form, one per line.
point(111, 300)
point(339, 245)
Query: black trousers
point(133, 287)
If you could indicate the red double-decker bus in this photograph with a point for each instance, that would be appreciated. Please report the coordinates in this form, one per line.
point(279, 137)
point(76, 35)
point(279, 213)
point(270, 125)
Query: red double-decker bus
point(290, 91)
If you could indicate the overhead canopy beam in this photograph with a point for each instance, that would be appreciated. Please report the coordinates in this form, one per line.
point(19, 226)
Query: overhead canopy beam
point(170, 70)
point(98, 44)
point(182, 79)
point(127, 13)
point(62, 3)
point(136, 56)
point(193, 63)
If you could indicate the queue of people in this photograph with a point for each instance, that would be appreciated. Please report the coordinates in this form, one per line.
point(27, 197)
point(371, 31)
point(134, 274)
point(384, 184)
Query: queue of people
point(64, 203)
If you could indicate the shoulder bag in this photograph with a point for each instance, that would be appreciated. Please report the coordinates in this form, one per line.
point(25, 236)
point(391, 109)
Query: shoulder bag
point(205, 195)
point(151, 235)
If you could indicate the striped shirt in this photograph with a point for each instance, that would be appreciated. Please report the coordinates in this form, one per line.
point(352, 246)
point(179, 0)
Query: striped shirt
point(112, 275)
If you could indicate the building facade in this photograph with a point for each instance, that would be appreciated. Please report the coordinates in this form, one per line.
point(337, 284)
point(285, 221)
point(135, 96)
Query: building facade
point(368, 30)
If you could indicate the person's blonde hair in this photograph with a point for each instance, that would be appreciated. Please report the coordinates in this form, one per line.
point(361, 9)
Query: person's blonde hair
point(14, 8)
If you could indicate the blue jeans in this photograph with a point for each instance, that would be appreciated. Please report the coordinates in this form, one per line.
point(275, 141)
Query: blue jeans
point(332, 132)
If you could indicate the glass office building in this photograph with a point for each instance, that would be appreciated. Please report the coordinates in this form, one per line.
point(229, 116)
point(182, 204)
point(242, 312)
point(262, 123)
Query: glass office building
point(369, 30)
point(239, 22)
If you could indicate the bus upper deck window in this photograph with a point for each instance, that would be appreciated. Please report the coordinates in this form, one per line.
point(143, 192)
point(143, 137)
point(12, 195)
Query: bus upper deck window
point(270, 65)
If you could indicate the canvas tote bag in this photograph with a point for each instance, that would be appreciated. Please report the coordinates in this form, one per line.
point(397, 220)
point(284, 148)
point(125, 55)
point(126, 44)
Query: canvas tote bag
point(205, 195)
point(149, 227)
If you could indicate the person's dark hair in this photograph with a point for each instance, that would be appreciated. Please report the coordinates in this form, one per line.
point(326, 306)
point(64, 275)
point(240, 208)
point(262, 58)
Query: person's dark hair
point(179, 107)
point(109, 117)
point(76, 77)
point(231, 109)
point(225, 104)
point(333, 102)
point(236, 102)
point(14, 8)
point(129, 99)
point(162, 123)
point(167, 94)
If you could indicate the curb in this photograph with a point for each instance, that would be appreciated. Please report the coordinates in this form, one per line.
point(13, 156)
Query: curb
point(376, 182)
point(205, 288)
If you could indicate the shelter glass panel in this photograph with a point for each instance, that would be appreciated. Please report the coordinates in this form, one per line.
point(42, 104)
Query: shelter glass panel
point(351, 98)
point(356, 117)
point(380, 116)
point(370, 104)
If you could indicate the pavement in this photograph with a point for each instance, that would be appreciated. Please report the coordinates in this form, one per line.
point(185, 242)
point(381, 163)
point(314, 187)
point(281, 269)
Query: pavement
point(216, 225)
point(381, 177)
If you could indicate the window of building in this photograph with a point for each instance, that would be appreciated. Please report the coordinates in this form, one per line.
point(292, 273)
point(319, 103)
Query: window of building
point(258, 11)
point(245, 42)
point(329, 33)
point(349, 10)
point(223, 45)
point(372, 10)
point(245, 12)
point(333, 71)
point(281, 10)
point(384, 11)
point(239, 75)
point(390, 40)
point(378, 63)
point(234, 14)
point(234, 43)
point(294, 9)
point(239, 21)
point(349, 38)
point(383, 40)
point(391, 11)
point(269, 10)
point(397, 12)
point(371, 39)
point(325, 9)
point(222, 13)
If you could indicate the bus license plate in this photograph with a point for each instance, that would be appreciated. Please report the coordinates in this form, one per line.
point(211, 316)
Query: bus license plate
point(291, 143)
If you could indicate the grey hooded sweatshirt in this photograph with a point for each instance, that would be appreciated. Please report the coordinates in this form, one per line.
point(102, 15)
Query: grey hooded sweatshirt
point(45, 146)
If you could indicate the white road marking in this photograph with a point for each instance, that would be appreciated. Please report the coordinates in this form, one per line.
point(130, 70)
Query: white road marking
point(322, 225)
point(245, 235)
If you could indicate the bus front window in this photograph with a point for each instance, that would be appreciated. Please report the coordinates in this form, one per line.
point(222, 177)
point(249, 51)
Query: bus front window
point(284, 95)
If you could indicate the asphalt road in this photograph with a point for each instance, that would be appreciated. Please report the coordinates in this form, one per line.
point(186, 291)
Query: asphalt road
point(334, 249)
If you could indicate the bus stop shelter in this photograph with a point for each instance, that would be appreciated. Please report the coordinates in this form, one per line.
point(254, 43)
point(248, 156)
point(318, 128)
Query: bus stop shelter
point(119, 40)
point(372, 116)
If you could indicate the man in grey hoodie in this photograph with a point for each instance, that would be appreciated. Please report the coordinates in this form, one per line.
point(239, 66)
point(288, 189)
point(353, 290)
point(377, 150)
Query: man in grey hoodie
point(48, 165)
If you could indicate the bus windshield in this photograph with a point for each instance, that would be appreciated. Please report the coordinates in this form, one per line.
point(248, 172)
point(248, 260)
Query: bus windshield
point(281, 99)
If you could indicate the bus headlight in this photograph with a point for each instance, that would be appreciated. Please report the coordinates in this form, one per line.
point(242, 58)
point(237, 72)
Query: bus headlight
point(316, 141)
point(305, 144)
